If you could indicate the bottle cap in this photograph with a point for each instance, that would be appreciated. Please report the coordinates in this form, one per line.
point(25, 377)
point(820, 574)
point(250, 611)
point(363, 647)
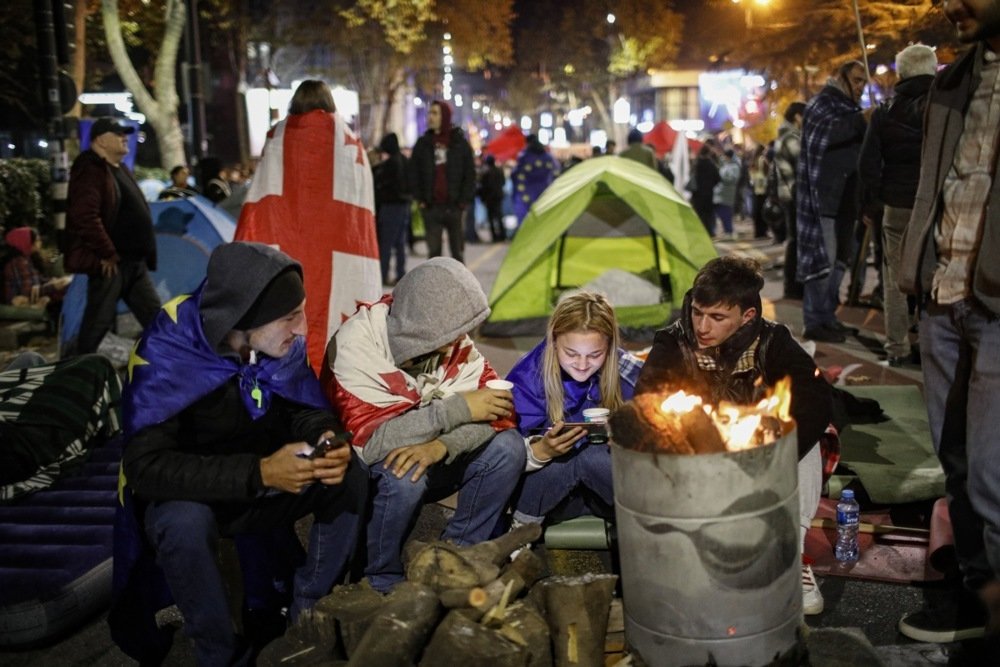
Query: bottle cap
point(847, 494)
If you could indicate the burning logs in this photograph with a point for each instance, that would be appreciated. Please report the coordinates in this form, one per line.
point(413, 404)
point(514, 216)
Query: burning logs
point(682, 424)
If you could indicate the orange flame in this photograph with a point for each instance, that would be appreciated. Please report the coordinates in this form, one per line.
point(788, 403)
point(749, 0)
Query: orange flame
point(737, 424)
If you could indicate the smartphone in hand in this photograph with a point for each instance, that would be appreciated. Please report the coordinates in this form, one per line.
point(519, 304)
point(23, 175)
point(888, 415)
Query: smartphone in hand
point(329, 444)
point(597, 432)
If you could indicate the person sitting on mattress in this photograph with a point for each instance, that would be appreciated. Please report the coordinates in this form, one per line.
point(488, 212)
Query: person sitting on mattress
point(723, 349)
point(222, 413)
point(579, 365)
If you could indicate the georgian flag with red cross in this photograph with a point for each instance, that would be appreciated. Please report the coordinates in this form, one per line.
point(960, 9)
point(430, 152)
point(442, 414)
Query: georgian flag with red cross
point(312, 197)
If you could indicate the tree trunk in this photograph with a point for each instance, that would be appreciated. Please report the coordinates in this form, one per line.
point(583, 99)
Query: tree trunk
point(353, 608)
point(461, 642)
point(444, 566)
point(160, 112)
point(80, 14)
point(400, 628)
point(577, 610)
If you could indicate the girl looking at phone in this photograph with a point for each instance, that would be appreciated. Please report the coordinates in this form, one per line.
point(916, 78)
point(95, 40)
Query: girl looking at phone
point(579, 365)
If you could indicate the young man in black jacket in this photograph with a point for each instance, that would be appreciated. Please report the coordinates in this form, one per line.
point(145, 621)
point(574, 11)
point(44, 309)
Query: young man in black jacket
point(443, 172)
point(721, 348)
point(221, 416)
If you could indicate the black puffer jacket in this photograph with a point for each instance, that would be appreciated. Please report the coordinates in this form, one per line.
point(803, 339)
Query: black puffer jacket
point(460, 169)
point(671, 365)
point(390, 175)
point(210, 451)
point(889, 165)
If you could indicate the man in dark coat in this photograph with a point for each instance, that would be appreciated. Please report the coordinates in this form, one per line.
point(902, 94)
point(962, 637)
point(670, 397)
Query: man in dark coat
point(392, 206)
point(221, 416)
point(833, 127)
point(889, 169)
point(722, 349)
point(443, 174)
point(950, 258)
point(491, 182)
point(109, 234)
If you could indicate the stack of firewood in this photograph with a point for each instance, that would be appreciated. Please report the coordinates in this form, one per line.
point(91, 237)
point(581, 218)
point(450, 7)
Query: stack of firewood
point(460, 606)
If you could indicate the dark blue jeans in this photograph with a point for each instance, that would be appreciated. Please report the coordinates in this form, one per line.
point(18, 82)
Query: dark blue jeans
point(544, 489)
point(484, 479)
point(958, 353)
point(185, 537)
point(391, 225)
point(821, 296)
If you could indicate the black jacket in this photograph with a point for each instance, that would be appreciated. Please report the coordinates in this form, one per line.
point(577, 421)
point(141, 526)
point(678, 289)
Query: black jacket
point(460, 169)
point(671, 365)
point(210, 450)
point(889, 165)
point(390, 175)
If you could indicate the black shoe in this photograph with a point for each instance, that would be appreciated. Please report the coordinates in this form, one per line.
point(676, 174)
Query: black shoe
point(824, 335)
point(841, 328)
point(897, 362)
point(949, 623)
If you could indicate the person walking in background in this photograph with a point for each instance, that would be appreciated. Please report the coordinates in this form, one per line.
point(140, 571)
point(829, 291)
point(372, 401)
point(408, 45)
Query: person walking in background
point(759, 166)
point(443, 175)
point(109, 234)
point(786, 159)
point(724, 194)
point(705, 178)
point(392, 206)
point(833, 127)
point(491, 183)
point(950, 258)
point(889, 168)
point(313, 197)
point(639, 151)
point(534, 170)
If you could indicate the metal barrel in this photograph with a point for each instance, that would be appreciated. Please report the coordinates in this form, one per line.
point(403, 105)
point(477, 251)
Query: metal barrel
point(710, 553)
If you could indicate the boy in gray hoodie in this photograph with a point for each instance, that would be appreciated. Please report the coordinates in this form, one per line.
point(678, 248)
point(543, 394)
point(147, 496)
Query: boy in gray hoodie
point(410, 385)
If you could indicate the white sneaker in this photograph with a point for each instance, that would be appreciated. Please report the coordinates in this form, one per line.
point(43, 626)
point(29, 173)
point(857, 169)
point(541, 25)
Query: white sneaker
point(812, 599)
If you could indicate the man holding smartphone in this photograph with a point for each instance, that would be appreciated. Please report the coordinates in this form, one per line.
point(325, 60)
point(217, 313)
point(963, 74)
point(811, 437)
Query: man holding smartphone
point(220, 409)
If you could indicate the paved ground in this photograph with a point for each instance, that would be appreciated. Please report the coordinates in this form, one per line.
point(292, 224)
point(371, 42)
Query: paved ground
point(872, 607)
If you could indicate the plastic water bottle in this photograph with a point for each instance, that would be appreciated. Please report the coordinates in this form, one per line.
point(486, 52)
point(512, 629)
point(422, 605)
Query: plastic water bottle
point(847, 527)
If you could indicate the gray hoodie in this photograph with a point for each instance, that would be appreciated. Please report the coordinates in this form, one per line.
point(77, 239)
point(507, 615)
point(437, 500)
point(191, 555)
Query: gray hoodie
point(432, 305)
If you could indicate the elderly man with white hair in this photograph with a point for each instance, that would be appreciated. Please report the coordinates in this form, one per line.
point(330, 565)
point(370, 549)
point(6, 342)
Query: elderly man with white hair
point(889, 166)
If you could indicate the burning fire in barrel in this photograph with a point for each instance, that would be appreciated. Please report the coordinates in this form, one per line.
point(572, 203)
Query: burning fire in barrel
point(706, 501)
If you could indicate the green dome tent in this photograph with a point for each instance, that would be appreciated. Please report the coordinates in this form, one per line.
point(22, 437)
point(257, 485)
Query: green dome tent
point(606, 213)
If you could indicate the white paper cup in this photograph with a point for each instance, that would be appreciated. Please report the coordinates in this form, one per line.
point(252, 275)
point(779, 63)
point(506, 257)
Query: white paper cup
point(599, 415)
point(504, 385)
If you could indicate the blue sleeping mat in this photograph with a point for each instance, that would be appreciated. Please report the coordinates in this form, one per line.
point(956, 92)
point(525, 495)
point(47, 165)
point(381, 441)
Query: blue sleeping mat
point(55, 564)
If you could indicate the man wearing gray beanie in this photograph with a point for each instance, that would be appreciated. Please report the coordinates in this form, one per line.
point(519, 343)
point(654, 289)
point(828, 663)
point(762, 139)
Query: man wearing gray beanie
point(410, 385)
point(889, 166)
point(222, 413)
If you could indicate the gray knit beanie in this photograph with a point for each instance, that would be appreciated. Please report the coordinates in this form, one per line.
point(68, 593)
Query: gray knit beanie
point(915, 60)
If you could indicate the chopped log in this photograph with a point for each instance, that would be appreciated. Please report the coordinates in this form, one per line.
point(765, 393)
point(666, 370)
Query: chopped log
point(524, 625)
point(577, 612)
point(399, 629)
point(445, 566)
point(290, 652)
point(353, 608)
point(519, 574)
point(460, 642)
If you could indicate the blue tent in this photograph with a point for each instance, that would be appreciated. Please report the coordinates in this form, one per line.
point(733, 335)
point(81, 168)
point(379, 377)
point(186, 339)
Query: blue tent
point(187, 230)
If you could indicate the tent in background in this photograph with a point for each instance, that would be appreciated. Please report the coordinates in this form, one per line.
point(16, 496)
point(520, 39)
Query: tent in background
point(507, 146)
point(606, 215)
point(187, 230)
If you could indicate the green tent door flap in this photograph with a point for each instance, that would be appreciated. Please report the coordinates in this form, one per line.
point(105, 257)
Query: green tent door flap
point(606, 214)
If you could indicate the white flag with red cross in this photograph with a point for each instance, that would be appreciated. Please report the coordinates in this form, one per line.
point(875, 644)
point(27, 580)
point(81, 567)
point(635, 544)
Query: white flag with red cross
point(312, 197)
